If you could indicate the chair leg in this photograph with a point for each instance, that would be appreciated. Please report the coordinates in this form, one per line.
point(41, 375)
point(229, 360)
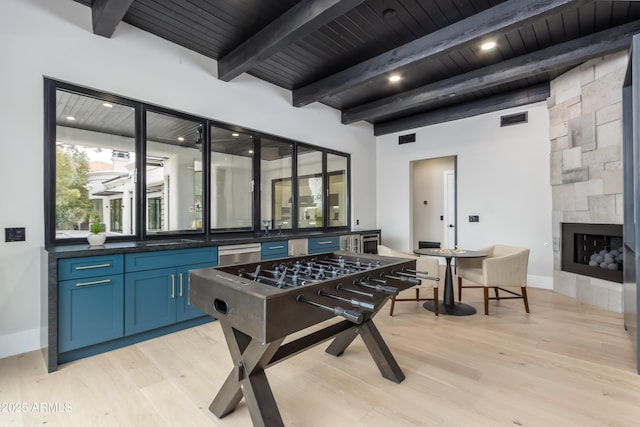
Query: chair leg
point(496, 291)
point(459, 288)
point(393, 303)
point(417, 295)
point(486, 301)
point(435, 301)
point(524, 297)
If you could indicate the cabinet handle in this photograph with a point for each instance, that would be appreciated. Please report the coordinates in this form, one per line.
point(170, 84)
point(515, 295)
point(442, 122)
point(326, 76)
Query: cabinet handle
point(95, 282)
point(173, 286)
point(180, 294)
point(326, 242)
point(276, 247)
point(86, 267)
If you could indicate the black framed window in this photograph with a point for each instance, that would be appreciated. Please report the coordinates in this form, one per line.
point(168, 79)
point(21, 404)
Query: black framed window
point(145, 171)
point(232, 179)
point(91, 161)
point(173, 172)
point(276, 191)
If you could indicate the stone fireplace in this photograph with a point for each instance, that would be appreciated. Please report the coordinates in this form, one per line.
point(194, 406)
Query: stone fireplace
point(585, 132)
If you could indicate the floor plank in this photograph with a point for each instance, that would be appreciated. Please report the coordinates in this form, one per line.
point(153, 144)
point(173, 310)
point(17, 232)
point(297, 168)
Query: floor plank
point(565, 364)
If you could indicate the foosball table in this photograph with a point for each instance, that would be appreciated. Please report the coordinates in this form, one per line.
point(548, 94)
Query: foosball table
point(259, 304)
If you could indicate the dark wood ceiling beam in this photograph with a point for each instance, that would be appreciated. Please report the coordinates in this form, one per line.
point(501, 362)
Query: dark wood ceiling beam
point(552, 58)
point(513, 99)
point(499, 18)
point(107, 14)
point(301, 20)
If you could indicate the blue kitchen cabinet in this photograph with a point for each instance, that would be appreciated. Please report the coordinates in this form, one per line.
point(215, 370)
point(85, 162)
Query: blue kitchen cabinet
point(157, 297)
point(323, 244)
point(185, 310)
point(274, 250)
point(149, 300)
point(90, 311)
point(90, 301)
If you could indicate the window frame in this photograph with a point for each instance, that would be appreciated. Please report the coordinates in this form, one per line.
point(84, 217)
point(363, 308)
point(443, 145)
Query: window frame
point(139, 217)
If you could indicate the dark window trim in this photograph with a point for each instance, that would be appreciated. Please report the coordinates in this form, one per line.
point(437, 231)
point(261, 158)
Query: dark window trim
point(140, 108)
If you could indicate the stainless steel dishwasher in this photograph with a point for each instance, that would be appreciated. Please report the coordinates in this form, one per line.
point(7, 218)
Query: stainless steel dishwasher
point(238, 254)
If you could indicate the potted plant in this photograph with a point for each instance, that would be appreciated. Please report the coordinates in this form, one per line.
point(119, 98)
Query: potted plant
point(96, 237)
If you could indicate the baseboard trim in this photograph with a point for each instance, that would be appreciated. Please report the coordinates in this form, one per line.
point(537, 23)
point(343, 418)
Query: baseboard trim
point(19, 342)
point(542, 282)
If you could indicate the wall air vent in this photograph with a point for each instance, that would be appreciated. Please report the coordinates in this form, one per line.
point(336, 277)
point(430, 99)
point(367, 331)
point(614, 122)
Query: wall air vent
point(514, 119)
point(406, 139)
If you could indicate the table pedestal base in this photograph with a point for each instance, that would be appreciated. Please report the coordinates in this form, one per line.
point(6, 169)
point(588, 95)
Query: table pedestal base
point(455, 309)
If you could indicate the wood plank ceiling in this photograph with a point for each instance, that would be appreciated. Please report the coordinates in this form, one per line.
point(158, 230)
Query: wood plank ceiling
point(342, 52)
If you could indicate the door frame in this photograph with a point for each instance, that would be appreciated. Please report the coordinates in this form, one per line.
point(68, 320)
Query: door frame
point(450, 212)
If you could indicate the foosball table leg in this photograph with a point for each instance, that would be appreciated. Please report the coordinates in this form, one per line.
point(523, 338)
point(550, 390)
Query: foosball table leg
point(381, 354)
point(248, 379)
point(376, 345)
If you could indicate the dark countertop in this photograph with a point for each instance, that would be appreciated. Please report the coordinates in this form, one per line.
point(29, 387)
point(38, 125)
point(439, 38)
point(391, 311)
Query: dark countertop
point(83, 249)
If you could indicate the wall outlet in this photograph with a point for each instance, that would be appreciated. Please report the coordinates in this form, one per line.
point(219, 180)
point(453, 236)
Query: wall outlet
point(15, 234)
point(474, 218)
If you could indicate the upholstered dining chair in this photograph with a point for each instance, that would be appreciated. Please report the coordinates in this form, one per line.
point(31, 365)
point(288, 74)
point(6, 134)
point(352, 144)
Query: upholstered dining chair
point(428, 265)
point(503, 267)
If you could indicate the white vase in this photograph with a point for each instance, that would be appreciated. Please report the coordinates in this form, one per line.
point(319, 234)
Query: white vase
point(96, 239)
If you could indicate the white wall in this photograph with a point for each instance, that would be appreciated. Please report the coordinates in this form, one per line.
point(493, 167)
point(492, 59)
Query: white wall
point(53, 38)
point(503, 176)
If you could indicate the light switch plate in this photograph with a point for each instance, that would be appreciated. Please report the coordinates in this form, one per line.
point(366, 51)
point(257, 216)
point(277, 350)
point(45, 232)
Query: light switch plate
point(14, 234)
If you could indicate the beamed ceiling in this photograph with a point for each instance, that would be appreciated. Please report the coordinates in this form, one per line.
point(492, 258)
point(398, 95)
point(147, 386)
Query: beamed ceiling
point(342, 52)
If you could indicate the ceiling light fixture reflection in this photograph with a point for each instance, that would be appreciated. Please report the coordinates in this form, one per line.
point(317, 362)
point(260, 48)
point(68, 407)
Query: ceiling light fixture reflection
point(71, 118)
point(106, 104)
point(488, 45)
point(235, 134)
point(394, 78)
point(250, 151)
point(181, 138)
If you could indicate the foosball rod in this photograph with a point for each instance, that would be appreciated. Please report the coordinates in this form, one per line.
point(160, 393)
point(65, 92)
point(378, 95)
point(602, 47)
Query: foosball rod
point(354, 264)
point(354, 302)
point(412, 279)
point(380, 288)
point(332, 264)
point(417, 275)
point(340, 287)
point(351, 316)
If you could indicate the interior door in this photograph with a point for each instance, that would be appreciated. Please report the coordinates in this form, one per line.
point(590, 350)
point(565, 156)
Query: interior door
point(449, 178)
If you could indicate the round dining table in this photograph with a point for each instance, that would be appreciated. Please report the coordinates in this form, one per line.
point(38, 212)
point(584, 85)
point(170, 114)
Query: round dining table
point(448, 305)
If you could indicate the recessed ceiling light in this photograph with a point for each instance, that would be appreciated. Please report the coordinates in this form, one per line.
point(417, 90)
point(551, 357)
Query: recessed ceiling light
point(235, 134)
point(250, 151)
point(71, 118)
point(394, 78)
point(488, 45)
point(388, 13)
point(181, 138)
point(106, 104)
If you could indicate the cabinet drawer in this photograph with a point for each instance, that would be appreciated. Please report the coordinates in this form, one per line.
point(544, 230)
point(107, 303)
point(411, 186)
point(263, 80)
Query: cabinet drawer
point(90, 311)
point(324, 244)
point(78, 268)
point(273, 250)
point(171, 258)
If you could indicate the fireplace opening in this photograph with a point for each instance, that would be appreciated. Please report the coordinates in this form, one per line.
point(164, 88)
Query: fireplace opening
point(593, 250)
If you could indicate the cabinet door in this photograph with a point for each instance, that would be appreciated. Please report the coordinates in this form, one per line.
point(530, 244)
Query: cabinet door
point(274, 250)
point(90, 311)
point(324, 244)
point(186, 311)
point(150, 300)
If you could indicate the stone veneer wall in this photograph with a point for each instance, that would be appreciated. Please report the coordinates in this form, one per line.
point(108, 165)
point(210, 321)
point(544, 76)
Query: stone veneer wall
point(585, 129)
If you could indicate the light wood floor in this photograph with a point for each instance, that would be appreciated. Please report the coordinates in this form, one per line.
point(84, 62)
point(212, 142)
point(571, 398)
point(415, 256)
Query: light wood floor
point(566, 364)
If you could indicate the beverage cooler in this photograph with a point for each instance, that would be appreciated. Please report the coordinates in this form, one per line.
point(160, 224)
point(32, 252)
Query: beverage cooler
point(351, 243)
